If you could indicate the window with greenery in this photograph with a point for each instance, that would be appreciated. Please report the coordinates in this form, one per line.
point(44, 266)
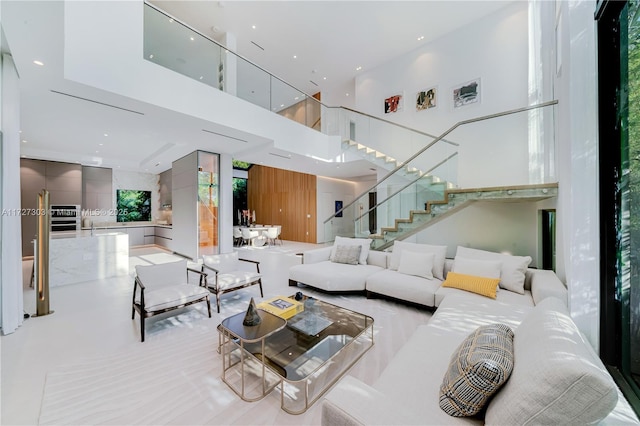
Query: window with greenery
point(619, 155)
point(133, 205)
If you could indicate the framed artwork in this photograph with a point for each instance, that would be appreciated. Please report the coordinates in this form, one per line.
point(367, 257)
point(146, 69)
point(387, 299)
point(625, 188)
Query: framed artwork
point(338, 208)
point(466, 93)
point(393, 103)
point(426, 99)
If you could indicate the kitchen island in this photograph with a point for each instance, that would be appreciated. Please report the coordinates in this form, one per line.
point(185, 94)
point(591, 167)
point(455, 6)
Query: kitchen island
point(80, 256)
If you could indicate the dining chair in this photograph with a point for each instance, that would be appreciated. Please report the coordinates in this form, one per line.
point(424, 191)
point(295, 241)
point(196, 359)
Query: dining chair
point(237, 236)
point(248, 236)
point(271, 234)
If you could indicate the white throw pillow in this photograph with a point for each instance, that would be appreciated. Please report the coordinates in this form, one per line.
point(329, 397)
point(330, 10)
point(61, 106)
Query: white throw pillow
point(365, 243)
point(477, 268)
point(511, 272)
point(438, 262)
point(416, 263)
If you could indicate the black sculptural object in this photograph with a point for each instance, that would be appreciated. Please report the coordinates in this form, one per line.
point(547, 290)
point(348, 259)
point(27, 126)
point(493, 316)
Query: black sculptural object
point(252, 317)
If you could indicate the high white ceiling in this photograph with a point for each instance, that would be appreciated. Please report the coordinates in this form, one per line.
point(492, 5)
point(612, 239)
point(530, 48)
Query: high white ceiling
point(330, 39)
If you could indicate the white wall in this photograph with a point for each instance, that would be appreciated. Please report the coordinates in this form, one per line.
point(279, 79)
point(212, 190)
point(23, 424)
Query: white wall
point(329, 190)
point(494, 226)
point(493, 49)
point(11, 231)
point(578, 200)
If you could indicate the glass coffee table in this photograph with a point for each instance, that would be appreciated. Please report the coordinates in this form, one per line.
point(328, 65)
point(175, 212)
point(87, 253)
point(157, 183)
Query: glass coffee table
point(305, 355)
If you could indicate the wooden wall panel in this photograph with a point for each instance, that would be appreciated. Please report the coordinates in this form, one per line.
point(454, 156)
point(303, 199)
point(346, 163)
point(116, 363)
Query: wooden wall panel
point(283, 197)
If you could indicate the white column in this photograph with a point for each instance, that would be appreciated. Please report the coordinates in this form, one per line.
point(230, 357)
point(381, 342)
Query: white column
point(11, 249)
point(578, 201)
point(226, 212)
point(230, 64)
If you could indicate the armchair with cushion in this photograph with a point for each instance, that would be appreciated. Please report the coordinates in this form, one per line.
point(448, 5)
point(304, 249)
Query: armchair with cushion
point(165, 287)
point(229, 275)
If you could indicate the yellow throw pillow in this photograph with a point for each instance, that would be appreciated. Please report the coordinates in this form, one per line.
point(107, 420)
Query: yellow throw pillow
point(481, 285)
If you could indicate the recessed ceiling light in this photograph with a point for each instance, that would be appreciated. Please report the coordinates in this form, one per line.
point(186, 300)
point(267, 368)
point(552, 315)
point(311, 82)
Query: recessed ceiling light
point(324, 78)
point(420, 38)
point(295, 56)
point(19, 131)
point(97, 151)
point(100, 144)
point(38, 62)
point(296, 98)
point(281, 105)
point(151, 56)
point(346, 94)
point(358, 69)
point(201, 77)
point(106, 134)
point(191, 38)
point(253, 26)
point(24, 141)
point(170, 19)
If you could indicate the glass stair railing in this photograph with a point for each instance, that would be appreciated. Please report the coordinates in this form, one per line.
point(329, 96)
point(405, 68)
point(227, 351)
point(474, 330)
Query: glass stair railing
point(407, 199)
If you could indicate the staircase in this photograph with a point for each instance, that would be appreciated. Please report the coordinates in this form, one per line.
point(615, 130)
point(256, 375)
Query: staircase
point(455, 200)
point(389, 163)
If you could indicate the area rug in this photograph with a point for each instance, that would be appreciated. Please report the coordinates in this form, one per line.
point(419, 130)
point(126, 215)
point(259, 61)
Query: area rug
point(166, 380)
point(173, 378)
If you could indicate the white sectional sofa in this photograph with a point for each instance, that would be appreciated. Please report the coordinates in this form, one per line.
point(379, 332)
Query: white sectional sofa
point(382, 274)
point(319, 272)
point(557, 378)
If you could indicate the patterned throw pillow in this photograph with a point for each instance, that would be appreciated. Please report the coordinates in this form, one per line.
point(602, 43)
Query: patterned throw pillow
point(482, 363)
point(346, 254)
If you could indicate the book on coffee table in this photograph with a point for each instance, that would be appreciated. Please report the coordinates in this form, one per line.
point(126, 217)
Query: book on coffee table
point(284, 307)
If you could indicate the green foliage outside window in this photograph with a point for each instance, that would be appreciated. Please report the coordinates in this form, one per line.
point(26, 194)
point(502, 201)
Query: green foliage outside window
point(133, 205)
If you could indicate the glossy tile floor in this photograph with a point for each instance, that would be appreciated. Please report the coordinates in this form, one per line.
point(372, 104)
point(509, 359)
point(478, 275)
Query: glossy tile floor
point(93, 319)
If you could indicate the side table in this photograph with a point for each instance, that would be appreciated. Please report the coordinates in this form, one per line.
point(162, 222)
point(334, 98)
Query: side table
point(243, 371)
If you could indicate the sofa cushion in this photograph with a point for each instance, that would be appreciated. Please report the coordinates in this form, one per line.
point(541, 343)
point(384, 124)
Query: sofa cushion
point(512, 270)
point(418, 264)
point(404, 287)
point(349, 255)
point(480, 268)
point(438, 262)
point(331, 276)
point(365, 243)
point(478, 368)
point(504, 296)
point(555, 379)
point(171, 296)
point(480, 285)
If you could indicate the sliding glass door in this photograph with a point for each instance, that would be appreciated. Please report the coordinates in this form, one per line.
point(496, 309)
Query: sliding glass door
point(619, 119)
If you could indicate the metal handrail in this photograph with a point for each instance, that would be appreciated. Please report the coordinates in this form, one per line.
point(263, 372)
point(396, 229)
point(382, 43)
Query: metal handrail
point(406, 186)
point(452, 128)
point(392, 123)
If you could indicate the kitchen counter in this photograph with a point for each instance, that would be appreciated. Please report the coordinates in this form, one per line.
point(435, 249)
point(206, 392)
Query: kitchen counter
point(111, 226)
point(81, 256)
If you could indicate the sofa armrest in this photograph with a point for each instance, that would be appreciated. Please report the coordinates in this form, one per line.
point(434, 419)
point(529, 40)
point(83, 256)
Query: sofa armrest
point(316, 255)
point(352, 402)
point(545, 283)
point(378, 258)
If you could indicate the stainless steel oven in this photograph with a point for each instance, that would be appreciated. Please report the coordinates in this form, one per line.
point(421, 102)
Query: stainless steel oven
point(65, 217)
